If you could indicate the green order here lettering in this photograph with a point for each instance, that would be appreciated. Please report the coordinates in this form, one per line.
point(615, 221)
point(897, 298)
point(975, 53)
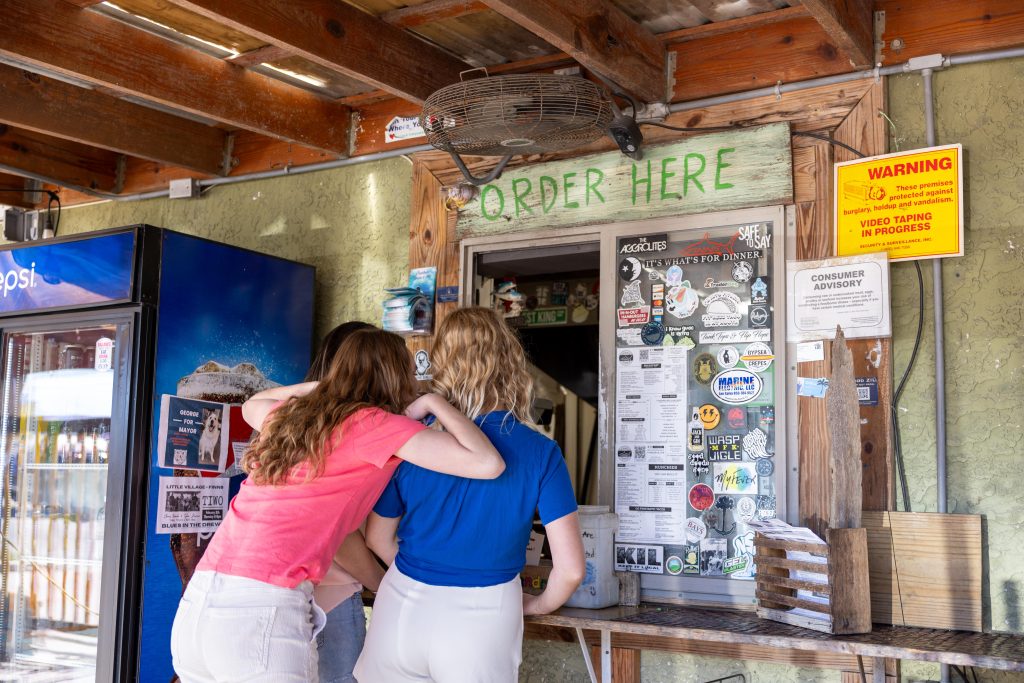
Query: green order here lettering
point(667, 179)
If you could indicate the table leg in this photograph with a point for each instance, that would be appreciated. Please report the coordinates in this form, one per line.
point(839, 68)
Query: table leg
point(606, 657)
point(586, 655)
point(877, 670)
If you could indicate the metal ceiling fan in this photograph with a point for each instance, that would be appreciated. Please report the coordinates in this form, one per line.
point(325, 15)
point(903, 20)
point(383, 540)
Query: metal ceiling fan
point(523, 114)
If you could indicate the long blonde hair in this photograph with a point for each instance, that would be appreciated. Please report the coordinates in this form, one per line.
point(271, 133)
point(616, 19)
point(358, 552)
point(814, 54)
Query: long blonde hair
point(372, 369)
point(479, 365)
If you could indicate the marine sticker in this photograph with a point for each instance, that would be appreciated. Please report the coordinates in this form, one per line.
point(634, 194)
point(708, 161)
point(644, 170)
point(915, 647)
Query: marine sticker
point(736, 418)
point(701, 497)
point(765, 467)
point(735, 478)
point(695, 530)
point(633, 316)
point(674, 565)
point(742, 271)
point(728, 357)
point(710, 415)
point(759, 292)
point(746, 509)
point(682, 300)
point(736, 386)
point(755, 445)
point(652, 333)
point(757, 357)
point(630, 268)
point(674, 276)
point(723, 310)
point(724, 447)
point(631, 295)
point(704, 368)
point(712, 556)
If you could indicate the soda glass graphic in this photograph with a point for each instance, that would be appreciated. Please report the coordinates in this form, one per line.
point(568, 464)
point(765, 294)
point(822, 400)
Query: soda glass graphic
point(211, 381)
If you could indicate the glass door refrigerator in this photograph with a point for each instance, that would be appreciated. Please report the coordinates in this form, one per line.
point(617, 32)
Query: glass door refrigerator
point(95, 329)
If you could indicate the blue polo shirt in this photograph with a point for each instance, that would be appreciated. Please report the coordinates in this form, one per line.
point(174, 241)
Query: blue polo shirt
point(474, 532)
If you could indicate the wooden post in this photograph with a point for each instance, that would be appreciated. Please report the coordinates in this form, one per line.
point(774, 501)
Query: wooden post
point(844, 438)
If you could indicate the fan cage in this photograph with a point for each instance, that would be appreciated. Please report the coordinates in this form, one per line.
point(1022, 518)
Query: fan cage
point(516, 114)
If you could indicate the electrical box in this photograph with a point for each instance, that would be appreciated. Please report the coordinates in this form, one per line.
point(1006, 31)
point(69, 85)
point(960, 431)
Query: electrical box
point(186, 188)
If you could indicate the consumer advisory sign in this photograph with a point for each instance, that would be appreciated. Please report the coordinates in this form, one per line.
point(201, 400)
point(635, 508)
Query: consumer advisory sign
point(714, 172)
point(852, 292)
point(908, 204)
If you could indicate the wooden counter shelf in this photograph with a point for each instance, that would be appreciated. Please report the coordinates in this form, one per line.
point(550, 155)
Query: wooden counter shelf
point(742, 627)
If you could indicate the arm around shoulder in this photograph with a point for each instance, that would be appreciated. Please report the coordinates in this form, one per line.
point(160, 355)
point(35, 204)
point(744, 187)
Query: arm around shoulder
point(462, 450)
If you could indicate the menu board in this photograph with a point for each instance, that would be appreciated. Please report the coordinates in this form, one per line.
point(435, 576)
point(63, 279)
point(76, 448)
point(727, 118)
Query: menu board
point(695, 382)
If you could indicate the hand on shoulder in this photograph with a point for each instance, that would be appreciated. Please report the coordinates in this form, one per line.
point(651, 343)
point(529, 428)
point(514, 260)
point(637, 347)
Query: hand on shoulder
point(423, 406)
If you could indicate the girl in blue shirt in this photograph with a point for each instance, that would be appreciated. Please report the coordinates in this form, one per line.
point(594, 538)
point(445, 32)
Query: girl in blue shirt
point(450, 608)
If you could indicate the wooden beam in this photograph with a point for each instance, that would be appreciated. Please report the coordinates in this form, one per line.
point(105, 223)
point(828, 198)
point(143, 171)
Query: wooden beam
point(849, 24)
point(718, 28)
point(107, 52)
point(261, 55)
point(599, 36)
point(84, 4)
point(67, 163)
point(431, 11)
point(33, 102)
point(343, 38)
point(14, 192)
point(949, 27)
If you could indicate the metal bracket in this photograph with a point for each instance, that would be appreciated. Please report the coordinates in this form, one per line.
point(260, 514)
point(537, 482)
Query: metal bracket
point(933, 62)
point(879, 24)
point(228, 161)
point(122, 163)
point(472, 179)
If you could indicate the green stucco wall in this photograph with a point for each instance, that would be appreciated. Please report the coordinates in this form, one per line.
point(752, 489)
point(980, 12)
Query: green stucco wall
point(351, 223)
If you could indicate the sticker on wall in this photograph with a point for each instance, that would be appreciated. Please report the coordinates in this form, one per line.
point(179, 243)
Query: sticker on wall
point(759, 292)
point(629, 336)
point(746, 509)
point(723, 310)
point(645, 244)
point(698, 464)
point(808, 352)
point(743, 548)
point(728, 357)
point(737, 387)
point(755, 236)
point(759, 316)
point(765, 507)
point(630, 268)
point(674, 276)
point(682, 301)
point(812, 387)
point(710, 415)
point(742, 271)
point(701, 497)
point(631, 295)
point(733, 565)
point(696, 529)
point(757, 357)
point(679, 335)
point(422, 360)
point(766, 417)
point(755, 445)
point(712, 556)
point(735, 478)
point(712, 283)
point(645, 559)
point(704, 368)
point(691, 559)
point(633, 316)
point(403, 128)
point(765, 467)
point(734, 336)
point(448, 295)
point(652, 334)
point(724, 447)
point(867, 391)
point(674, 565)
point(736, 418)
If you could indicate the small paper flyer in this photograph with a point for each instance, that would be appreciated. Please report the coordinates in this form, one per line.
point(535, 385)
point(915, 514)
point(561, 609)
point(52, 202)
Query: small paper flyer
point(193, 434)
point(191, 504)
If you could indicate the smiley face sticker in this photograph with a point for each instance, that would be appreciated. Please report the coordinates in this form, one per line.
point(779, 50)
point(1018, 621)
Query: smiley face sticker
point(709, 415)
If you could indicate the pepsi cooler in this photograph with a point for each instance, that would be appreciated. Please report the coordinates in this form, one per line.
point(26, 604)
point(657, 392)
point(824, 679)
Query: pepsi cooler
point(96, 329)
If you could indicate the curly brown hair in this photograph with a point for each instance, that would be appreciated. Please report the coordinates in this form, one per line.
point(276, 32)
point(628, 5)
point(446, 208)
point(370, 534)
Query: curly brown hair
point(372, 369)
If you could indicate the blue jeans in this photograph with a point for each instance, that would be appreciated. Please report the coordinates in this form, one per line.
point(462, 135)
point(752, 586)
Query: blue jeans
point(341, 641)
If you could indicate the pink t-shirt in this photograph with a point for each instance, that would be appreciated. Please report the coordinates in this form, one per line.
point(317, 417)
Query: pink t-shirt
point(284, 535)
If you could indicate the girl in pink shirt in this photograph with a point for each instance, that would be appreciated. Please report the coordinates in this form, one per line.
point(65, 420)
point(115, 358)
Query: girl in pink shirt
point(325, 452)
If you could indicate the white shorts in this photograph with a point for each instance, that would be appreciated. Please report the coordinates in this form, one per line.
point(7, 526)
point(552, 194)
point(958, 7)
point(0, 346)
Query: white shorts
point(229, 628)
point(443, 634)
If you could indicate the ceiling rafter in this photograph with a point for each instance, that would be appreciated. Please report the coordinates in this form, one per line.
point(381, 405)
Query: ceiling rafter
point(69, 164)
point(598, 35)
point(342, 38)
point(849, 24)
point(431, 11)
point(33, 102)
point(106, 52)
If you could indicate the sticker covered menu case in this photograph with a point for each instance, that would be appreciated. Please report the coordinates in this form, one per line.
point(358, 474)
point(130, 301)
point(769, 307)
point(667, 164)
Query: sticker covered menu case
point(695, 381)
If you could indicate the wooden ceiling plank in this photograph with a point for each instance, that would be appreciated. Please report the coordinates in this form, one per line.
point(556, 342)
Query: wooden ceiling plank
point(599, 36)
point(949, 27)
point(14, 191)
point(849, 24)
point(33, 102)
point(106, 52)
point(718, 28)
point(261, 55)
point(84, 4)
point(343, 38)
point(432, 11)
point(68, 163)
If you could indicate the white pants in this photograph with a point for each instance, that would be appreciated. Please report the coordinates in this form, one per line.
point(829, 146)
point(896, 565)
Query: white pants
point(229, 629)
point(443, 634)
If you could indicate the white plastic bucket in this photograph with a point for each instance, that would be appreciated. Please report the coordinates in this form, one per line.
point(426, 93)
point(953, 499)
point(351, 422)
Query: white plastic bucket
point(600, 587)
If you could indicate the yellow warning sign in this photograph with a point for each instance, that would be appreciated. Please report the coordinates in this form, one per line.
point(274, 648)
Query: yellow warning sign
point(909, 204)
